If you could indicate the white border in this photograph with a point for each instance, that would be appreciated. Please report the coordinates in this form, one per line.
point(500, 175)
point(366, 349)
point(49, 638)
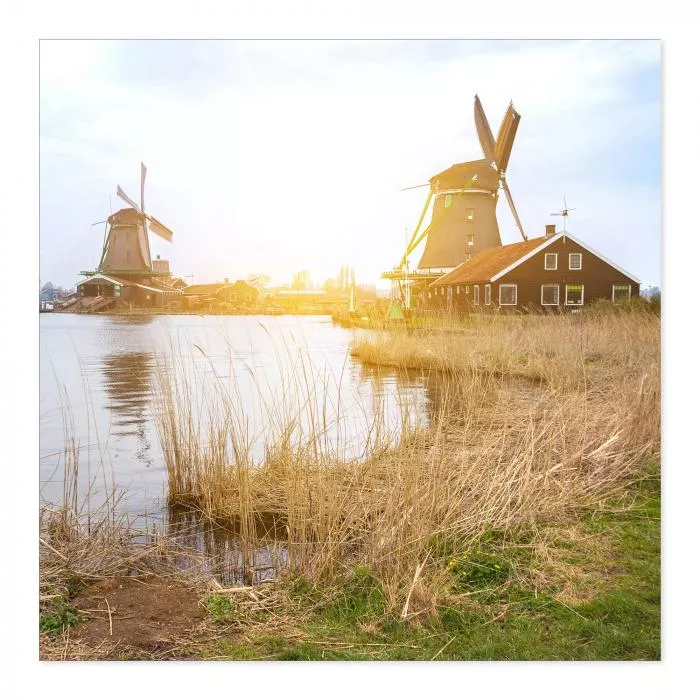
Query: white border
point(580, 267)
point(629, 291)
point(476, 295)
point(566, 294)
point(556, 262)
point(502, 286)
point(487, 288)
point(542, 286)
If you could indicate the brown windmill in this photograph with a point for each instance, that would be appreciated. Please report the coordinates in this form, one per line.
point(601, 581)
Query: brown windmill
point(464, 204)
point(126, 252)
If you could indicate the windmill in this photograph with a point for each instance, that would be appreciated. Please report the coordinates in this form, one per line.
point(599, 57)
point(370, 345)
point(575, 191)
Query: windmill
point(464, 197)
point(126, 251)
point(564, 212)
point(464, 209)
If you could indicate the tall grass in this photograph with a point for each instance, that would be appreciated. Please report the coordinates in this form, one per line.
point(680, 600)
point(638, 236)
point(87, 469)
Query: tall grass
point(501, 450)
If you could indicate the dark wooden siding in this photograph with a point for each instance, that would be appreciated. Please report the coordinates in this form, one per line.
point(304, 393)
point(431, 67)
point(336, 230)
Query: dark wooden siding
point(596, 276)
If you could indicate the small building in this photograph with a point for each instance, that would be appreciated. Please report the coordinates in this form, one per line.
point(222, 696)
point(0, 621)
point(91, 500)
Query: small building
point(239, 294)
point(109, 287)
point(554, 272)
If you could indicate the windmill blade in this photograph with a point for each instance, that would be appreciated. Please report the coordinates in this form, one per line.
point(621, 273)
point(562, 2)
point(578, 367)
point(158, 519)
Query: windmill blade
point(506, 136)
point(128, 200)
point(414, 187)
point(410, 247)
point(159, 229)
point(488, 145)
point(512, 208)
point(143, 184)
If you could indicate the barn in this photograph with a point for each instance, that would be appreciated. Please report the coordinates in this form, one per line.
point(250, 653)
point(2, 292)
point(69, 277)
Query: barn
point(554, 272)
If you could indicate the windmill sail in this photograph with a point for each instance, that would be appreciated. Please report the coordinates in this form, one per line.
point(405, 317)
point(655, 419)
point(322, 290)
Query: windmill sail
point(511, 203)
point(143, 184)
point(488, 145)
point(506, 136)
point(159, 229)
point(127, 199)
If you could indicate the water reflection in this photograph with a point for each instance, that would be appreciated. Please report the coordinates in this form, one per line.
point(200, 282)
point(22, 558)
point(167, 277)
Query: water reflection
point(228, 558)
point(127, 381)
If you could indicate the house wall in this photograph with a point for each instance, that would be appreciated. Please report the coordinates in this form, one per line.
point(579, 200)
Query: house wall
point(596, 276)
point(239, 293)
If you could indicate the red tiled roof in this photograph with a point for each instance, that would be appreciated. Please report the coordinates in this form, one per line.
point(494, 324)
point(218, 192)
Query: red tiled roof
point(484, 265)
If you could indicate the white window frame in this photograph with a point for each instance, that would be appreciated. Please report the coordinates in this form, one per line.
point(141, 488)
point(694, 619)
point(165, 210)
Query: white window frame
point(458, 289)
point(470, 214)
point(629, 291)
point(542, 302)
point(501, 287)
point(466, 289)
point(556, 260)
point(487, 294)
point(580, 258)
point(247, 297)
point(476, 295)
point(566, 298)
point(442, 291)
point(448, 201)
point(470, 240)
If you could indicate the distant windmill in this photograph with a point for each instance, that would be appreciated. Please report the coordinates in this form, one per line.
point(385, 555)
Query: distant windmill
point(126, 250)
point(564, 212)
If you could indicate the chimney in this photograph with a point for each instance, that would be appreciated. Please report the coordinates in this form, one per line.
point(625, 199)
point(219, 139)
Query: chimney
point(550, 229)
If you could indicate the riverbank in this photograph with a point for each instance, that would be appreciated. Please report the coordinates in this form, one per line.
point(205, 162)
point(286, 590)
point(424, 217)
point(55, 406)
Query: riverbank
point(481, 532)
point(587, 590)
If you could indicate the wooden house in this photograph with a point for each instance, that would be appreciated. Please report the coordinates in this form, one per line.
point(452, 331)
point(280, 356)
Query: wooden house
point(110, 287)
point(239, 294)
point(554, 272)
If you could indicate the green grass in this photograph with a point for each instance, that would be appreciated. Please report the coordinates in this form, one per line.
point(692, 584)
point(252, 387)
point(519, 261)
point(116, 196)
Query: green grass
point(59, 617)
point(501, 614)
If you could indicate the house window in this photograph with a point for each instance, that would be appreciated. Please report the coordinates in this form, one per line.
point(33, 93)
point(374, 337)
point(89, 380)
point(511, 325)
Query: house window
point(550, 261)
point(574, 295)
point(430, 295)
point(458, 288)
point(470, 239)
point(575, 261)
point(476, 294)
point(470, 215)
point(507, 294)
point(233, 296)
point(550, 295)
point(621, 293)
point(448, 201)
point(247, 296)
point(466, 289)
point(442, 291)
point(487, 294)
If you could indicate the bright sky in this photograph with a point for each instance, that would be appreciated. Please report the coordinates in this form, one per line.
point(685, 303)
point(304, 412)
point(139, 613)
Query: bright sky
point(273, 156)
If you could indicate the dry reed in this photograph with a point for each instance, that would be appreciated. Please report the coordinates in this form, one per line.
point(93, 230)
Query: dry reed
point(501, 450)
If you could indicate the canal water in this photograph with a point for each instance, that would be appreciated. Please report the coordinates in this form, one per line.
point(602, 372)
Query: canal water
point(100, 375)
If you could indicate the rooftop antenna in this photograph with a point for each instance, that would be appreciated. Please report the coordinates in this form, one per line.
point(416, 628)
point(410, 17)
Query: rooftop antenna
point(564, 212)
